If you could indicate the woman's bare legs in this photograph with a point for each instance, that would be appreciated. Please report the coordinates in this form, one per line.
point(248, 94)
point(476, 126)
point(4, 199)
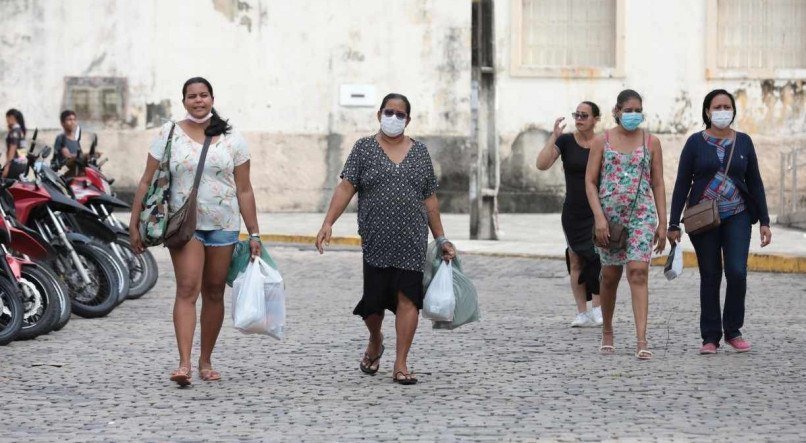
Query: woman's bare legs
point(406, 319)
point(611, 275)
point(638, 277)
point(216, 265)
point(188, 264)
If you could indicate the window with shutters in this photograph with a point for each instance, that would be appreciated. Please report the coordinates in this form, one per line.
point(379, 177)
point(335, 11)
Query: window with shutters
point(569, 38)
point(757, 38)
point(96, 99)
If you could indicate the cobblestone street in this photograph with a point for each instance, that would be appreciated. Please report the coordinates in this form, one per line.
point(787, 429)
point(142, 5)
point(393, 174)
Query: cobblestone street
point(521, 374)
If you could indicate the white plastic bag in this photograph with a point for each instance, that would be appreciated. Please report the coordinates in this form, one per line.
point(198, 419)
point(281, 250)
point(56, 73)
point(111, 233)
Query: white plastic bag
point(440, 300)
point(258, 300)
point(674, 264)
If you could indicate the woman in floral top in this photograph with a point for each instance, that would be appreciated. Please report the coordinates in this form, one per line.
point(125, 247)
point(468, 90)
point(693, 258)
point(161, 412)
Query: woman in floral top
point(625, 172)
point(224, 195)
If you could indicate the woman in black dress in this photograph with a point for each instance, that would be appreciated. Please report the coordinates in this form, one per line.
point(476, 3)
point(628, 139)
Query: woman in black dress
point(395, 181)
point(577, 218)
point(16, 163)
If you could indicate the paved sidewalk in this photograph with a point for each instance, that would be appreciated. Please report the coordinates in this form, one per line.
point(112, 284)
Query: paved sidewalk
point(529, 235)
point(520, 374)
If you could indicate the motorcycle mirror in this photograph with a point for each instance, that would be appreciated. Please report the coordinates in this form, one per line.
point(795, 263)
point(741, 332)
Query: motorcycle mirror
point(46, 151)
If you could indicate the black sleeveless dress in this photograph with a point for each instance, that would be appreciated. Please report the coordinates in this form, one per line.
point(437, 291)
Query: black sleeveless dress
point(577, 217)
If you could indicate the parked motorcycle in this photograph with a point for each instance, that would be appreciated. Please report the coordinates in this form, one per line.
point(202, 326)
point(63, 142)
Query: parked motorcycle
point(93, 189)
point(11, 309)
point(90, 274)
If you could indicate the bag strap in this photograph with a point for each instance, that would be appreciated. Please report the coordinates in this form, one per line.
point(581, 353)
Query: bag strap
point(167, 150)
point(732, 150)
point(641, 177)
point(200, 167)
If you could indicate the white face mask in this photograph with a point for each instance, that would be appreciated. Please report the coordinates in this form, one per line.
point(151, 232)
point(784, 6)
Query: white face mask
point(392, 126)
point(199, 120)
point(721, 119)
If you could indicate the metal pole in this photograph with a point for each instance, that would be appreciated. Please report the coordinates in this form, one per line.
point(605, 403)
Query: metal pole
point(794, 181)
point(782, 190)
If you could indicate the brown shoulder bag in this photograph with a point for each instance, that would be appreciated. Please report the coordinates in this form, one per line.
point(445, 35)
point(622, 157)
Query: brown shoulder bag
point(704, 216)
point(182, 223)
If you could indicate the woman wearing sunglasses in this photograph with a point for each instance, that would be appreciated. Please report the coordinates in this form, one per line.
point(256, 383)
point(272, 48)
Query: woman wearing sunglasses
point(625, 189)
point(577, 219)
point(397, 204)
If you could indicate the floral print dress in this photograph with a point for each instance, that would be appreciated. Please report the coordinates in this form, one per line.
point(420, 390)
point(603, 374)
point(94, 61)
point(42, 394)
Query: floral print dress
point(625, 181)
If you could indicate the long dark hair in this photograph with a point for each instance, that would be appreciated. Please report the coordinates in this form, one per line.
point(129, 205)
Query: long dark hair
point(217, 126)
point(17, 116)
point(624, 96)
point(706, 104)
point(396, 96)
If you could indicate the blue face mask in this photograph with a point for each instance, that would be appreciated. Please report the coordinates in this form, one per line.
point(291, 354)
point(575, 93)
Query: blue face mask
point(631, 120)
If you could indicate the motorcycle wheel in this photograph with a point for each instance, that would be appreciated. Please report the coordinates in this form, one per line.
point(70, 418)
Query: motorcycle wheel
point(64, 300)
point(11, 311)
point(121, 268)
point(40, 300)
point(100, 297)
point(143, 272)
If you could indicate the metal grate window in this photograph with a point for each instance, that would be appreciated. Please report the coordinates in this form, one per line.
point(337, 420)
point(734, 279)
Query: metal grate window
point(761, 34)
point(568, 33)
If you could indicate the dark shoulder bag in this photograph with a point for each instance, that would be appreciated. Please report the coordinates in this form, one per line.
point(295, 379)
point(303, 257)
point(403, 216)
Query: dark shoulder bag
point(618, 232)
point(182, 223)
point(704, 216)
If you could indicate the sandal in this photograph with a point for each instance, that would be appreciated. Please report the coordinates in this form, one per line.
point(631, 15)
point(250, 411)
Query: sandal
point(606, 349)
point(643, 354)
point(182, 376)
point(368, 368)
point(208, 374)
point(407, 379)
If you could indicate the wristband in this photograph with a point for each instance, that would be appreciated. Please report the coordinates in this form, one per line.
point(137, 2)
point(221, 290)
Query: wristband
point(254, 237)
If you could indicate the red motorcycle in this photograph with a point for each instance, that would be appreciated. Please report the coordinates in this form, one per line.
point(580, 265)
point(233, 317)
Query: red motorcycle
point(39, 284)
point(89, 273)
point(11, 309)
point(93, 189)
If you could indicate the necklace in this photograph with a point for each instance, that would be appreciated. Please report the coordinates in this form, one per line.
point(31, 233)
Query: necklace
point(577, 137)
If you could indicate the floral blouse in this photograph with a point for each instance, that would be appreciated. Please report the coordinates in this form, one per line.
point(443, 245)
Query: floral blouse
point(217, 207)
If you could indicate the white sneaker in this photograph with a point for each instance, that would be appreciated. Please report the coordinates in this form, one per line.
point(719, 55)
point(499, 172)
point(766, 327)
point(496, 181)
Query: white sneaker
point(582, 320)
point(596, 316)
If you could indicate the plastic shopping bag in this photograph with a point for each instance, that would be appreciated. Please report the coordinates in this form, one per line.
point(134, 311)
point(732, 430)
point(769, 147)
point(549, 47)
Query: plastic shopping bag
point(241, 257)
point(258, 301)
point(466, 309)
point(439, 300)
point(674, 264)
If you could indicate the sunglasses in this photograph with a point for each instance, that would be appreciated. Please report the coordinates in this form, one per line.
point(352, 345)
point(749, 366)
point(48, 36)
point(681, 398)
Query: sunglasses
point(580, 115)
point(398, 114)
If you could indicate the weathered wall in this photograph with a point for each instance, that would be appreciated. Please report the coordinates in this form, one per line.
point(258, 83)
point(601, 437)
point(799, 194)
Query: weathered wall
point(276, 66)
point(665, 60)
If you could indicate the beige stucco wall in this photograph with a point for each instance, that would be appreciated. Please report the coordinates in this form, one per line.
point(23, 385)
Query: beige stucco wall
point(276, 66)
point(665, 60)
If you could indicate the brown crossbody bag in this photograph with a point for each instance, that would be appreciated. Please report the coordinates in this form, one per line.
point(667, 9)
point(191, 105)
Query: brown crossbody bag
point(704, 216)
point(182, 223)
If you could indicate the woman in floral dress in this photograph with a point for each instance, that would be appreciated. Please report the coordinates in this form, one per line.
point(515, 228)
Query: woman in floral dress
point(624, 184)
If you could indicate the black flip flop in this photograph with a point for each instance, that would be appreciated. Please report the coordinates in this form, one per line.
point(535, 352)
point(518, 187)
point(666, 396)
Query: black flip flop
point(368, 368)
point(407, 380)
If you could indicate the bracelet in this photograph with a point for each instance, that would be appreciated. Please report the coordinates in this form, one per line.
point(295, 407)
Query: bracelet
point(255, 237)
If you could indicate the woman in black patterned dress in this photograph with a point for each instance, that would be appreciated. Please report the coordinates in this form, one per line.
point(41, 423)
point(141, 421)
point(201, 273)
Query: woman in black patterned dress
point(397, 204)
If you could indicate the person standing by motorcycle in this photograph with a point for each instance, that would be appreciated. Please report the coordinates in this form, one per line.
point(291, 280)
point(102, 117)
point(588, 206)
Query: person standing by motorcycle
point(67, 144)
point(16, 145)
point(224, 196)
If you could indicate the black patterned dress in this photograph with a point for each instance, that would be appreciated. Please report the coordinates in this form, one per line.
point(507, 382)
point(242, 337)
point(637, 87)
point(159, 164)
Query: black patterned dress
point(392, 221)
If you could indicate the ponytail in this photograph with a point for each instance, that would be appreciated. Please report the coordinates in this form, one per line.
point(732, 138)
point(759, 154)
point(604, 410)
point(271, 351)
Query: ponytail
point(19, 118)
point(217, 126)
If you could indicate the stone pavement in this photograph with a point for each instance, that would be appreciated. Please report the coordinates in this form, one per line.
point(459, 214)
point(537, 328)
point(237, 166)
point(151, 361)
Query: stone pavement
point(521, 374)
point(531, 235)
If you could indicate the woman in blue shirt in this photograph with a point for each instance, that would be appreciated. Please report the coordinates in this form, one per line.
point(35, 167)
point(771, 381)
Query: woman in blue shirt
point(741, 202)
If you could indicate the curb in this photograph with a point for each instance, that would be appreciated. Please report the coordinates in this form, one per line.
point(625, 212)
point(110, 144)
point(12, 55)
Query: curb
point(787, 264)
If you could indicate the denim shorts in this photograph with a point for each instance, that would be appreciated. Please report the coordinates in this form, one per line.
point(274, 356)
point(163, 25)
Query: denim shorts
point(217, 237)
